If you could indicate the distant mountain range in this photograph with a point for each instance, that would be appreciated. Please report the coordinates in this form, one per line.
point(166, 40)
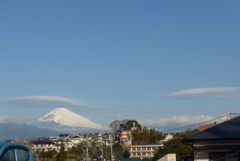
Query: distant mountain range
point(11, 131)
point(60, 120)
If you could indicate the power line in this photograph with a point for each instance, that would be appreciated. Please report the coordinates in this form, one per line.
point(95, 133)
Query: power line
point(195, 124)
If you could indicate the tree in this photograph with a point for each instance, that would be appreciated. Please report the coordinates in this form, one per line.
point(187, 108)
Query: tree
point(118, 150)
point(129, 124)
point(146, 136)
point(176, 146)
point(62, 155)
point(115, 125)
point(186, 133)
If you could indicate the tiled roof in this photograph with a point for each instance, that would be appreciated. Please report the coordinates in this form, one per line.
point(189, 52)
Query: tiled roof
point(228, 130)
point(204, 127)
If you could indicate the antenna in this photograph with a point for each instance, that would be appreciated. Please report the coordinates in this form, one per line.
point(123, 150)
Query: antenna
point(228, 113)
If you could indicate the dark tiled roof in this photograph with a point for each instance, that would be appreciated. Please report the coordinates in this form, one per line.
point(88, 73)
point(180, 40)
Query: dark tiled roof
point(63, 135)
point(228, 130)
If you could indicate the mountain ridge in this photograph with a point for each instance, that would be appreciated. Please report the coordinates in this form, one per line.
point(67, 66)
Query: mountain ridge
point(13, 131)
point(64, 119)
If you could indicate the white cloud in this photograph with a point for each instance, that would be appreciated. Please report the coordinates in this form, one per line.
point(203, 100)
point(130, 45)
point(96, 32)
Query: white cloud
point(223, 92)
point(39, 101)
point(176, 122)
point(13, 119)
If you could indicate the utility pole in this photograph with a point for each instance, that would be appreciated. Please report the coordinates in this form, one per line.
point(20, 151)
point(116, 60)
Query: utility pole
point(87, 149)
point(102, 150)
point(111, 146)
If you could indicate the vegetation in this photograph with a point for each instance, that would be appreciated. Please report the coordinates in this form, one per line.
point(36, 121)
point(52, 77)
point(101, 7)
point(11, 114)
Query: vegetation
point(115, 125)
point(139, 136)
point(129, 124)
point(186, 133)
point(175, 146)
point(62, 155)
point(118, 151)
point(146, 136)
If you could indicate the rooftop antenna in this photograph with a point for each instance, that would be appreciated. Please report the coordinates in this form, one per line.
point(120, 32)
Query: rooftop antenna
point(228, 113)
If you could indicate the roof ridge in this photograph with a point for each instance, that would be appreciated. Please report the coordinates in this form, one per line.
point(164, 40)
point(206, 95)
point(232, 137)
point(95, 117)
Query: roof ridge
point(233, 123)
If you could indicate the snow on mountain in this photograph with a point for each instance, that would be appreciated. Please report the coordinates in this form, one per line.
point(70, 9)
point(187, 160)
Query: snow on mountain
point(62, 118)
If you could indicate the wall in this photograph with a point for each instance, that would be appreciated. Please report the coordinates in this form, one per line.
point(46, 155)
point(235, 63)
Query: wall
point(201, 156)
point(168, 157)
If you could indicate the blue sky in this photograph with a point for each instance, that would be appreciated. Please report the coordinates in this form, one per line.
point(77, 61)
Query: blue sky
point(115, 60)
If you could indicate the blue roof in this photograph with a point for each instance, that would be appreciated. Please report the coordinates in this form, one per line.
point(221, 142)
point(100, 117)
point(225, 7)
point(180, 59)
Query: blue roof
point(130, 159)
point(151, 144)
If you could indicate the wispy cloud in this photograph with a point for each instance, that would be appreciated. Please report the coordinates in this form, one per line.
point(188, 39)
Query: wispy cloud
point(40, 101)
point(13, 119)
point(166, 124)
point(118, 115)
point(222, 92)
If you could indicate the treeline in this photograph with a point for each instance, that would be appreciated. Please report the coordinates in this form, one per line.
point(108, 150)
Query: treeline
point(145, 136)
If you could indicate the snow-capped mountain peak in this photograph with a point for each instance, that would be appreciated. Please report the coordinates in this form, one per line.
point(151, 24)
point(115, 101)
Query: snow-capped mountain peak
point(67, 118)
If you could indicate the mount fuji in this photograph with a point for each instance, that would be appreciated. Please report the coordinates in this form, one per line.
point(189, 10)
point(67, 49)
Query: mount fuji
point(62, 119)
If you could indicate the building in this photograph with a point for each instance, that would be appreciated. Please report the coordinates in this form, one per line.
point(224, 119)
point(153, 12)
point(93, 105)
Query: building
point(43, 146)
point(144, 150)
point(204, 127)
point(126, 137)
point(220, 142)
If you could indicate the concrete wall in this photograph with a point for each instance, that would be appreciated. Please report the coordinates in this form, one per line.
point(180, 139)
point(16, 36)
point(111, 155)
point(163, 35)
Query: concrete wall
point(168, 157)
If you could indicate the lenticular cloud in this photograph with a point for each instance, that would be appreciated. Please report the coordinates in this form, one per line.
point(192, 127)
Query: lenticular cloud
point(223, 92)
point(38, 101)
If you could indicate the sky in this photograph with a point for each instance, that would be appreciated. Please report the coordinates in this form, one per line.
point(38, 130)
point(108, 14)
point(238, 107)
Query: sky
point(166, 64)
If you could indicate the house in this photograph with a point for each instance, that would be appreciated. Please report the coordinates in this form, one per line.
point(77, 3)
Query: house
point(204, 127)
point(43, 145)
point(220, 142)
point(77, 139)
point(126, 137)
point(144, 150)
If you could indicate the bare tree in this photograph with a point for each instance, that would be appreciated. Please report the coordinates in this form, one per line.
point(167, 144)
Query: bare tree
point(115, 125)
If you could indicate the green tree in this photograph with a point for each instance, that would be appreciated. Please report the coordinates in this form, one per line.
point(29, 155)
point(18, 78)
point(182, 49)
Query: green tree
point(118, 150)
point(146, 136)
point(129, 124)
point(62, 155)
point(186, 133)
point(176, 146)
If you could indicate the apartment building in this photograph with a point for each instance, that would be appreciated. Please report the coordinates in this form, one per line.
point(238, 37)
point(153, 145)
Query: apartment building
point(144, 150)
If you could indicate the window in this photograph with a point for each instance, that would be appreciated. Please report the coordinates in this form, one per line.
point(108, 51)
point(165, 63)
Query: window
point(22, 154)
point(8, 154)
point(144, 148)
point(149, 148)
